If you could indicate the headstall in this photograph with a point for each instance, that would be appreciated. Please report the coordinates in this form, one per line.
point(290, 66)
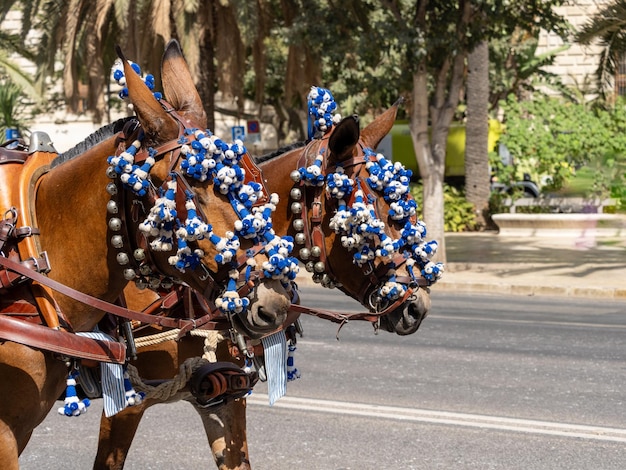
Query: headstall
point(173, 221)
point(354, 200)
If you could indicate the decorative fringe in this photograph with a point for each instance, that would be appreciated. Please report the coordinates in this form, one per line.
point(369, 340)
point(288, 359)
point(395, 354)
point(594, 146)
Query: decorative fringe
point(322, 109)
point(72, 405)
point(132, 397)
point(205, 157)
point(292, 371)
point(357, 222)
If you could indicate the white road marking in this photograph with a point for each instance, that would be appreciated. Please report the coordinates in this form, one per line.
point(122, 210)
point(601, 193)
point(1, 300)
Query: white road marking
point(532, 322)
point(444, 417)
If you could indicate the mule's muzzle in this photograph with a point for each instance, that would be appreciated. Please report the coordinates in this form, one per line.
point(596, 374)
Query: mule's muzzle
point(407, 318)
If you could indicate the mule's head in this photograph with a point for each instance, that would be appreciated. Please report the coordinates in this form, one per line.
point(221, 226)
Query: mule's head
point(206, 224)
point(373, 246)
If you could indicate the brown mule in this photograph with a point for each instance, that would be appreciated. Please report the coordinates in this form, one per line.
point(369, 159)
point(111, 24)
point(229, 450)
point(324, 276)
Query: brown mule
point(325, 256)
point(230, 448)
point(74, 219)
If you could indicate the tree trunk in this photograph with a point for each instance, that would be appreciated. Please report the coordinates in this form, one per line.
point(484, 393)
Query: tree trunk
point(96, 74)
point(258, 51)
point(229, 54)
point(477, 177)
point(431, 163)
point(206, 65)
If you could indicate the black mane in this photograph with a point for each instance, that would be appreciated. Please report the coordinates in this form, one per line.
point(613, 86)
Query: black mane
point(280, 151)
point(98, 136)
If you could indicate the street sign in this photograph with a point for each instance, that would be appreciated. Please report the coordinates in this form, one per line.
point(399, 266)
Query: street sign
point(11, 133)
point(254, 127)
point(238, 132)
point(254, 132)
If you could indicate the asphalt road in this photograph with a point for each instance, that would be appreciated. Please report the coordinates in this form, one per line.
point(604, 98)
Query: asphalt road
point(488, 382)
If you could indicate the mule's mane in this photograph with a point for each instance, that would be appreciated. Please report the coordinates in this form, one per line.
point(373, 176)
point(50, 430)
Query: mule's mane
point(280, 151)
point(98, 136)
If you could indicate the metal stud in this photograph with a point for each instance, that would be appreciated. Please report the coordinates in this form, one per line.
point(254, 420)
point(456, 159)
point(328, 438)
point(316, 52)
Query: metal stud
point(300, 238)
point(296, 207)
point(129, 274)
point(139, 254)
point(319, 267)
point(298, 224)
point(167, 283)
point(115, 224)
point(316, 251)
point(296, 194)
point(112, 207)
point(111, 172)
point(309, 266)
point(141, 284)
point(122, 258)
point(145, 270)
point(154, 282)
point(112, 189)
point(305, 253)
point(117, 241)
point(295, 176)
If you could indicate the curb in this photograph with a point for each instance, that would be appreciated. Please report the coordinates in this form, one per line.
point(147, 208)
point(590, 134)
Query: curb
point(530, 290)
point(504, 288)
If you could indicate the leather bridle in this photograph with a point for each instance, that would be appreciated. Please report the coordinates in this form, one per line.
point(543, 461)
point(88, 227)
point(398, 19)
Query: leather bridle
point(315, 203)
point(215, 281)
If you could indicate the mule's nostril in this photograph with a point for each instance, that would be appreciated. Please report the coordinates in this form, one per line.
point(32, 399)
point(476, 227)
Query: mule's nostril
point(265, 317)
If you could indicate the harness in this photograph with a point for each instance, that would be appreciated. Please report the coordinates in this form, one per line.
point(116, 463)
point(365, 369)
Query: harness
point(28, 294)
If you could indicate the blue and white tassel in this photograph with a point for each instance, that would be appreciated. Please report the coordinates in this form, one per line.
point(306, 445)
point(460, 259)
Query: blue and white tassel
point(72, 405)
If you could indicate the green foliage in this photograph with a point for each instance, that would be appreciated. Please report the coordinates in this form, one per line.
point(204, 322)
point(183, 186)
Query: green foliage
point(608, 176)
point(574, 148)
point(458, 212)
point(516, 68)
point(11, 109)
point(550, 138)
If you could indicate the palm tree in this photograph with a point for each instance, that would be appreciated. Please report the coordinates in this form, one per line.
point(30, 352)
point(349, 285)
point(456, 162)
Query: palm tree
point(10, 109)
point(608, 28)
point(84, 38)
point(11, 44)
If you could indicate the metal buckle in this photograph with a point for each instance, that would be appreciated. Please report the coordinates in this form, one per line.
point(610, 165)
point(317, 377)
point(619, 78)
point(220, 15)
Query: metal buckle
point(205, 273)
point(38, 268)
point(369, 271)
point(13, 212)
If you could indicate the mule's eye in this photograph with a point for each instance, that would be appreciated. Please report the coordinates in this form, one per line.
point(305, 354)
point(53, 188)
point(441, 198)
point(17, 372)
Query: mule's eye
point(201, 198)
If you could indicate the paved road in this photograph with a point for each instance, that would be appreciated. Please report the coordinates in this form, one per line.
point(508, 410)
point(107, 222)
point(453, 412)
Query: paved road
point(488, 382)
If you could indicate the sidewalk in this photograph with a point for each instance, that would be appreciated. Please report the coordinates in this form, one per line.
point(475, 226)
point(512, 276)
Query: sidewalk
point(550, 265)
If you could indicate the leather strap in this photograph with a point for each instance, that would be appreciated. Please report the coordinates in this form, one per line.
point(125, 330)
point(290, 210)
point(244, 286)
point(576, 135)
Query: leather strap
point(34, 169)
point(61, 342)
point(101, 304)
point(342, 318)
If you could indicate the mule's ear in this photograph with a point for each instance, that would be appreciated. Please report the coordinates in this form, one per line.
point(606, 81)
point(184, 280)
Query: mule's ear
point(381, 126)
point(179, 88)
point(344, 138)
point(157, 124)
